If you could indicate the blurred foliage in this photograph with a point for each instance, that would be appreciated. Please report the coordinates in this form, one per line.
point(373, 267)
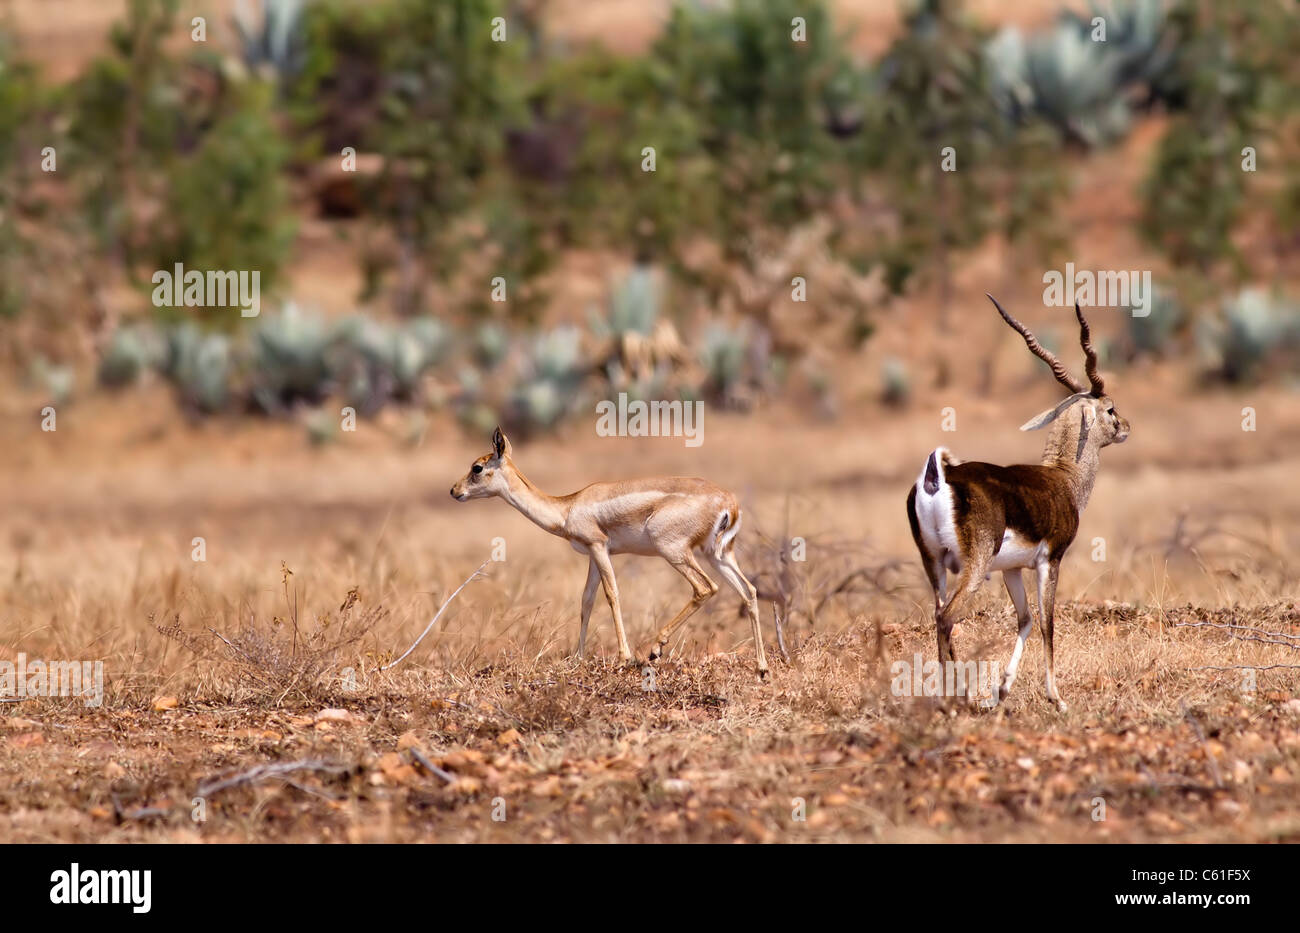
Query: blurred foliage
point(759, 105)
point(1153, 333)
point(271, 37)
point(19, 102)
point(225, 205)
point(1257, 330)
point(1238, 87)
point(450, 92)
point(1085, 74)
point(776, 154)
point(936, 125)
point(177, 160)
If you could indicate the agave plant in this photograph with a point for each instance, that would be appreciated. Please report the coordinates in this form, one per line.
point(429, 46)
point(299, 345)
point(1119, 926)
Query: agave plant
point(730, 356)
point(56, 381)
point(1137, 34)
point(1255, 327)
point(552, 378)
point(896, 385)
point(491, 343)
point(633, 305)
point(132, 349)
point(1077, 83)
point(1008, 68)
point(361, 359)
point(288, 358)
point(275, 38)
point(433, 336)
point(200, 367)
point(1150, 334)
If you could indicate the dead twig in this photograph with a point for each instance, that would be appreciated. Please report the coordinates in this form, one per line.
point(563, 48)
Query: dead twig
point(433, 769)
point(274, 769)
point(780, 633)
point(1232, 629)
point(437, 615)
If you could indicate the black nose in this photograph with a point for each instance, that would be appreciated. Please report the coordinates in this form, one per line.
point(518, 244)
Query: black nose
point(453, 492)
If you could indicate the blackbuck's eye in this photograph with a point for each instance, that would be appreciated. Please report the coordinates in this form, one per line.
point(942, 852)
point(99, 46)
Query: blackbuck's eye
point(477, 469)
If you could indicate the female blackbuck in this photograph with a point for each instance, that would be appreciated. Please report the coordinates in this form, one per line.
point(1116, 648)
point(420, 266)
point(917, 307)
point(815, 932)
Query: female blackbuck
point(669, 517)
point(977, 518)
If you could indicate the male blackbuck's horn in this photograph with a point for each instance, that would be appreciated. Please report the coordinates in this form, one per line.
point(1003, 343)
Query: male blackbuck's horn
point(1090, 364)
point(1058, 368)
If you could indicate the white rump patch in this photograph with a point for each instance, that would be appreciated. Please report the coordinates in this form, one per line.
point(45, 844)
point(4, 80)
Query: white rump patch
point(934, 515)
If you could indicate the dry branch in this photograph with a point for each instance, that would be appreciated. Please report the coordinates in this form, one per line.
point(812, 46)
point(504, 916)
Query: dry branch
point(437, 615)
point(780, 633)
point(1245, 628)
point(274, 769)
point(433, 769)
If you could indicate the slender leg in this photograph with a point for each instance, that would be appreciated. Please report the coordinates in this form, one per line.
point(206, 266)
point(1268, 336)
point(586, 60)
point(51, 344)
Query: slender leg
point(600, 557)
point(588, 597)
point(730, 571)
point(1016, 589)
point(1048, 572)
point(703, 589)
point(938, 574)
point(968, 581)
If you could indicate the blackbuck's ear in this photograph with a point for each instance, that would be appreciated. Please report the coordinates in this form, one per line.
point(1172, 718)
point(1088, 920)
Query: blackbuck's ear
point(500, 443)
point(1047, 417)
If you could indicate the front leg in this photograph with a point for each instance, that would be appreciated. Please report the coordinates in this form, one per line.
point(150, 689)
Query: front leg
point(588, 598)
point(600, 557)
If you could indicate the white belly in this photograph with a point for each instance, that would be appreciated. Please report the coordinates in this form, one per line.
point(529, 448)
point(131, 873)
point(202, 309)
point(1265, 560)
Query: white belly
point(632, 540)
point(1017, 553)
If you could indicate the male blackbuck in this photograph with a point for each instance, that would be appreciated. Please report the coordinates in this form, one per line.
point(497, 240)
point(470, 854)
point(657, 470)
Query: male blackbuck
point(977, 518)
point(670, 517)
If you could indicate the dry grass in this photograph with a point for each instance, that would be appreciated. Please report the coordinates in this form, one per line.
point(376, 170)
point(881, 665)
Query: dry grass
point(492, 710)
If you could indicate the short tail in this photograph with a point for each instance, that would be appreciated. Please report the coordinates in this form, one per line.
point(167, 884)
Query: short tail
point(935, 473)
point(726, 530)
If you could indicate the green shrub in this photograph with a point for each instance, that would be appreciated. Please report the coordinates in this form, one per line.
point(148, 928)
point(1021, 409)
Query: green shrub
point(226, 206)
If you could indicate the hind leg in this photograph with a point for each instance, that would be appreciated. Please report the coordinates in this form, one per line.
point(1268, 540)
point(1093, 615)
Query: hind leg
point(1016, 590)
point(703, 589)
point(937, 574)
point(968, 581)
point(1048, 573)
point(729, 569)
